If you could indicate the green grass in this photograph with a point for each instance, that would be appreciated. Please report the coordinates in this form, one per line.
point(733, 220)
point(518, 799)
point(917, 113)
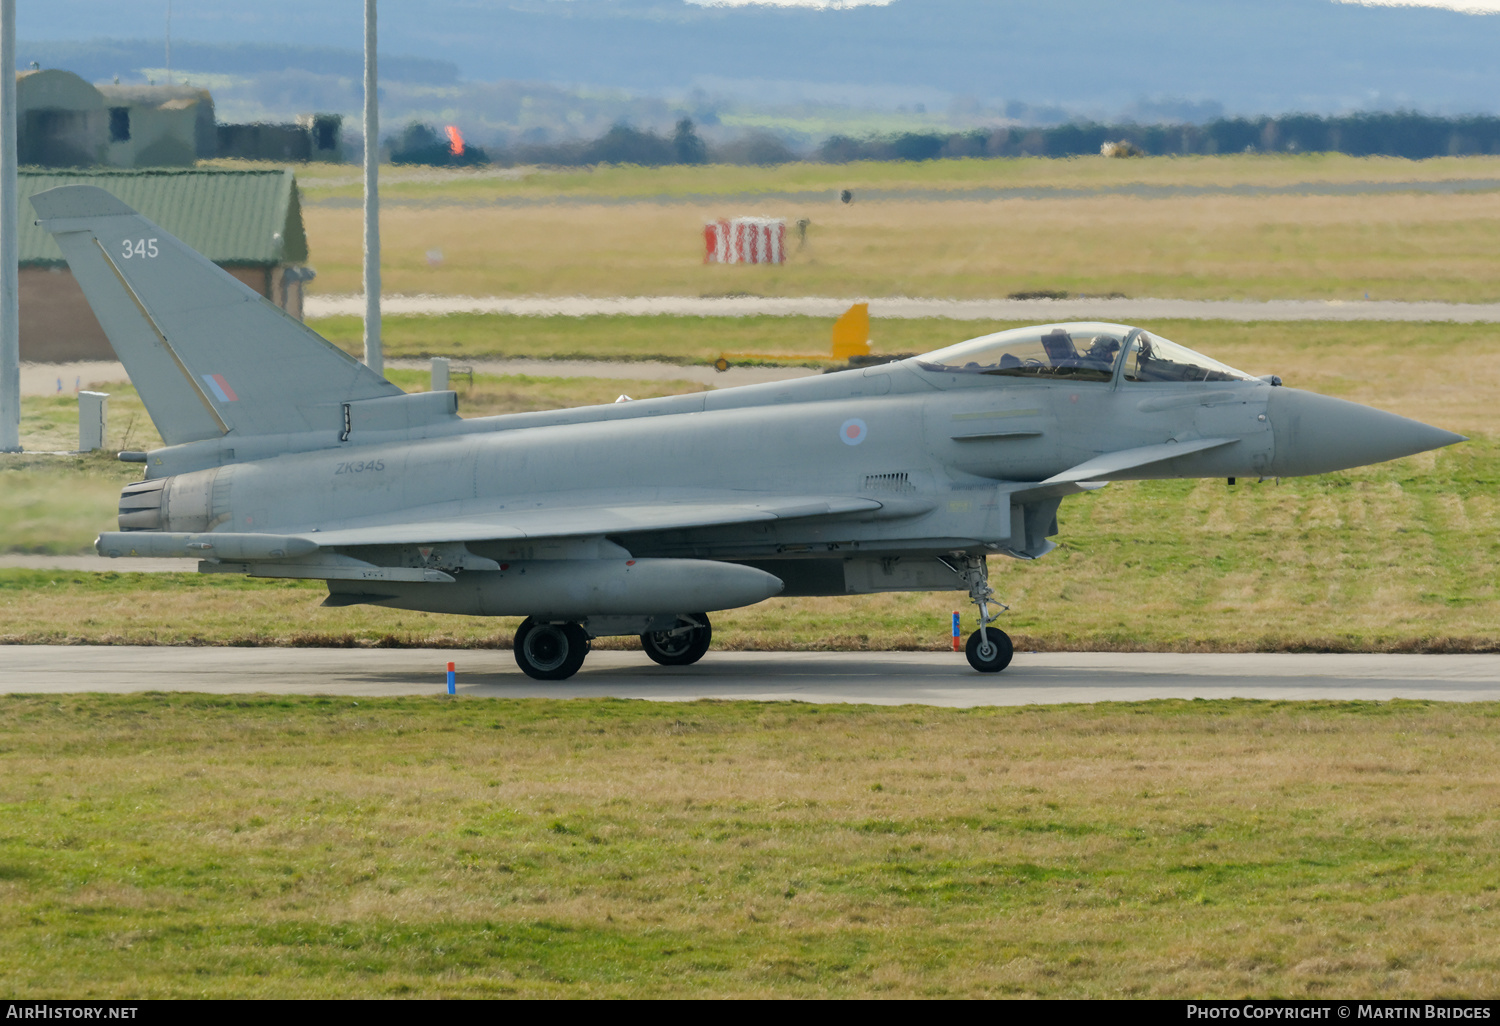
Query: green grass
point(194, 846)
point(683, 340)
point(623, 182)
point(49, 423)
point(58, 504)
point(1374, 357)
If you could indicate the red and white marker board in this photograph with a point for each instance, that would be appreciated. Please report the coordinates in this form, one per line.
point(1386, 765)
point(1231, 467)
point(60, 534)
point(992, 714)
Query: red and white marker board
point(745, 240)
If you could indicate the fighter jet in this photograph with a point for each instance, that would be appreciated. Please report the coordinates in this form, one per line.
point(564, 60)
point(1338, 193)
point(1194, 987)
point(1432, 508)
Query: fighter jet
point(285, 457)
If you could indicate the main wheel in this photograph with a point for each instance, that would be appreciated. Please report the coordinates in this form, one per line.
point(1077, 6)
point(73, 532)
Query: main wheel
point(550, 651)
point(673, 648)
point(990, 650)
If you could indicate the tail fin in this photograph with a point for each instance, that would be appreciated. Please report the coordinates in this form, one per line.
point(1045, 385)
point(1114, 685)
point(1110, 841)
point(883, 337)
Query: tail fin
point(208, 355)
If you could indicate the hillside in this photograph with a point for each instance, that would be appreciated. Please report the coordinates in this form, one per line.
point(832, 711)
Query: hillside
point(1154, 59)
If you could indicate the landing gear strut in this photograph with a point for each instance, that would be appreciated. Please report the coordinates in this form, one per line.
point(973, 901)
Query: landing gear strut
point(989, 648)
point(550, 651)
point(681, 645)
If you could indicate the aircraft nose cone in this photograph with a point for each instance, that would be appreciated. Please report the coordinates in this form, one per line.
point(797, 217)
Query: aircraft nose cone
point(1316, 434)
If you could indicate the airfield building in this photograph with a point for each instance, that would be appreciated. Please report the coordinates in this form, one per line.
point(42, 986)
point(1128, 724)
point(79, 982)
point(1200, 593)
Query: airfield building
point(310, 137)
point(249, 222)
point(63, 121)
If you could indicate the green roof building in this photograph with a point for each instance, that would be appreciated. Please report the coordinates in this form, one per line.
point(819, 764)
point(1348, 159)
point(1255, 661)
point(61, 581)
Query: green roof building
point(249, 222)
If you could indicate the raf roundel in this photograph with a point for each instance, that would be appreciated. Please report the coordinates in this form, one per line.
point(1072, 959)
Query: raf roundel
point(853, 431)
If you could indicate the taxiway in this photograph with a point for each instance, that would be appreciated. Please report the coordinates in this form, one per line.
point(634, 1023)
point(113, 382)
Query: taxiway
point(880, 678)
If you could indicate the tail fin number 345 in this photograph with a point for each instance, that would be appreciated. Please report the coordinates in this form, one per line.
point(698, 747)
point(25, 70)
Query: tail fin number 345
point(141, 249)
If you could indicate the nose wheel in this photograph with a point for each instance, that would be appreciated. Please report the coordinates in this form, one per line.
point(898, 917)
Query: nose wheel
point(989, 650)
point(550, 651)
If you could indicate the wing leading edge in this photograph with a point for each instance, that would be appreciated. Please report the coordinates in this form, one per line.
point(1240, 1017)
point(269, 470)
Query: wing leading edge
point(546, 522)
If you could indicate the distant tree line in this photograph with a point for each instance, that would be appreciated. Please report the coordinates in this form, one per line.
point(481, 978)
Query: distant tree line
point(1414, 136)
point(623, 144)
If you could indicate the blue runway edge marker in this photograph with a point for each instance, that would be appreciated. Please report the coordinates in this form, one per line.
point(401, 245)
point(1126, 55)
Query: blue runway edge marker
point(452, 678)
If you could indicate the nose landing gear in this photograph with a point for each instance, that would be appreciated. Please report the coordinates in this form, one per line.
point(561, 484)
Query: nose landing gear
point(989, 649)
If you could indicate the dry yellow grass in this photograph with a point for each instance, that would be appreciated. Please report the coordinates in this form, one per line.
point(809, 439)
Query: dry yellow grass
point(179, 845)
point(1405, 247)
point(1444, 374)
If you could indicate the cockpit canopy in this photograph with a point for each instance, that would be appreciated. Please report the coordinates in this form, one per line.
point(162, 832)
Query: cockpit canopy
point(1089, 351)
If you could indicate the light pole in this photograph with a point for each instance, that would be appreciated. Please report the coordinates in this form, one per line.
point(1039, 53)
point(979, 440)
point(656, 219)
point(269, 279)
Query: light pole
point(374, 359)
point(10, 318)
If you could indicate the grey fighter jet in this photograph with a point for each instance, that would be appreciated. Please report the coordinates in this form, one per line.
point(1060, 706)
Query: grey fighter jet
point(285, 457)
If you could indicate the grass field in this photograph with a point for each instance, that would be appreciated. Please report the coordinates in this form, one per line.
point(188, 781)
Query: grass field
point(1392, 246)
point(324, 181)
point(186, 846)
point(180, 845)
point(1406, 247)
point(683, 340)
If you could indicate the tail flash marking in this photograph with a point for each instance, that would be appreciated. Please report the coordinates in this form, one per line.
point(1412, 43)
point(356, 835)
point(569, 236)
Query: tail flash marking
point(146, 316)
point(220, 388)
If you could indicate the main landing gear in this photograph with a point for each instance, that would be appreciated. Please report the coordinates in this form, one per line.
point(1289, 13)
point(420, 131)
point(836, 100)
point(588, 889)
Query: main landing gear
point(681, 645)
point(555, 651)
point(550, 651)
point(989, 649)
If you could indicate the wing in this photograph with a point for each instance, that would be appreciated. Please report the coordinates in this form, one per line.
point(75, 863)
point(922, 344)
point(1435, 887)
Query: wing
point(592, 518)
point(547, 521)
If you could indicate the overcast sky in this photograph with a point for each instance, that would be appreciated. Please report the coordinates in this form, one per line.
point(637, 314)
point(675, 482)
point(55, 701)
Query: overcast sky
point(1467, 6)
point(794, 3)
point(1156, 59)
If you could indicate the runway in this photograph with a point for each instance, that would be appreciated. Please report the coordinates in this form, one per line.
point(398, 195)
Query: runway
point(1038, 311)
point(878, 678)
